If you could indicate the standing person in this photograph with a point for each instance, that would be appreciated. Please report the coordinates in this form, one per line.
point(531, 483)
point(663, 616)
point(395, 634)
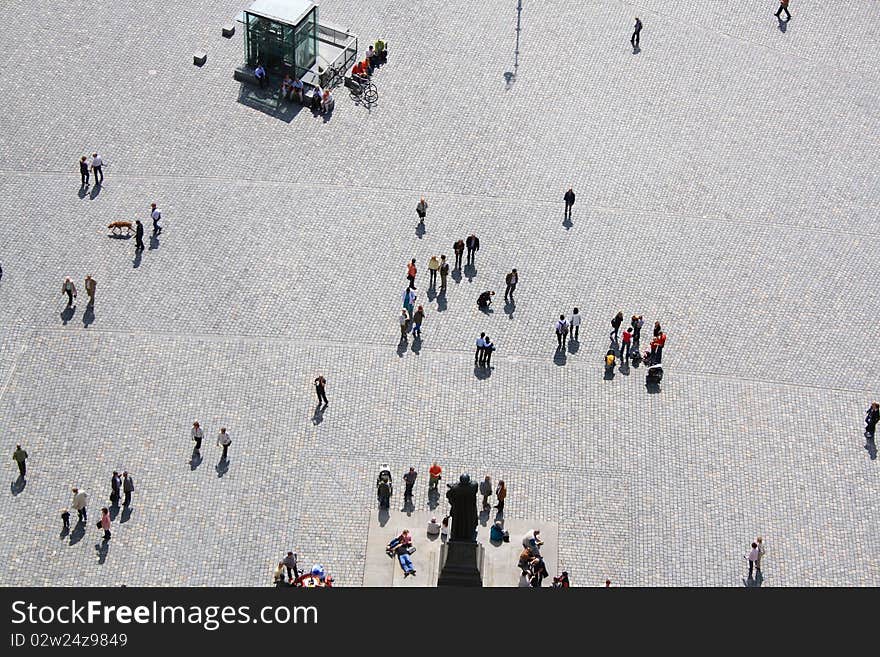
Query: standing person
point(574, 324)
point(569, 201)
point(91, 285)
point(636, 323)
point(753, 557)
point(65, 520)
point(615, 324)
point(409, 300)
point(80, 502)
point(84, 171)
point(511, 280)
point(487, 352)
point(115, 486)
point(422, 209)
point(625, 350)
point(433, 268)
point(561, 332)
point(444, 271)
point(404, 324)
point(225, 441)
point(97, 168)
point(501, 495)
point(537, 571)
point(105, 522)
point(290, 563)
point(411, 273)
point(634, 39)
point(127, 488)
point(783, 7)
point(418, 318)
point(409, 480)
point(434, 473)
point(69, 289)
point(260, 74)
point(760, 543)
point(20, 456)
point(481, 346)
point(657, 329)
point(458, 248)
point(661, 342)
point(473, 245)
point(197, 435)
point(486, 491)
point(872, 415)
point(155, 215)
point(320, 384)
point(138, 236)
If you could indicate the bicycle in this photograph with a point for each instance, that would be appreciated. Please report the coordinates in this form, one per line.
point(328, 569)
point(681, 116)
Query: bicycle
point(362, 91)
point(335, 76)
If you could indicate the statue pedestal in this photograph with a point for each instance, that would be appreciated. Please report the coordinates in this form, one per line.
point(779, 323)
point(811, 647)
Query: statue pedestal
point(461, 564)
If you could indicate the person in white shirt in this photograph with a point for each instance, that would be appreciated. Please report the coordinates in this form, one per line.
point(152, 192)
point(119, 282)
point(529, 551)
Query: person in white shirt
point(481, 345)
point(97, 164)
point(561, 332)
point(575, 324)
point(80, 501)
point(197, 435)
point(155, 215)
point(754, 559)
point(532, 541)
point(404, 324)
point(225, 441)
point(433, 528)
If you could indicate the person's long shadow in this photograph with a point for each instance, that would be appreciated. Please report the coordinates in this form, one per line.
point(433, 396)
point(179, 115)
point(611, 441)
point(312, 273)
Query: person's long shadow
point(441, 300)
point(636, 50)
point(433, 499)
point(83, 192)
point(432, 293)
point(114, 511)
point(753, 582)
point(566, 223)
point(482, 372)
point(652, 388)
point(67, 314)
point(420, 230)
point(487, 309)
point(126, 515)
point(624, 366)
point(872, 448)
point(103, 549)
point(79, 531)
point(88, 316)
point(573, 346)
point(318, 415)
point(65, 531)
point(509, 307)
point(17, 486)
point(484, 516)
point(559, 357)
point(416, 345)
point(383, 517)
point(137, 259)
point(95, 191)
point(402, 347)
point(195, 460)
point(609, 373)
point(470, 272)
point(222, 467)
point(456, 275)
point(154, 242)
point(783, 25)
point(499, 515)
point(408, 506)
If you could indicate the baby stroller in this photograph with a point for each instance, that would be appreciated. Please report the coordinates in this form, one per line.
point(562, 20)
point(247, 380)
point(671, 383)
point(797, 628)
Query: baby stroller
point(654, 375)
point(384, 487)
point(610, 359)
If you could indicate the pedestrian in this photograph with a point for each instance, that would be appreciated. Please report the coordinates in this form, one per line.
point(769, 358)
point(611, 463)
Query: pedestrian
point(511, 280)
point(473, 245)
point(409, 480)
point(481, 346)
point(486, 491)
point(20, 456)
point(561, 332)
point(636, 322)
point(84, 171)
point(433, 268)
point(411, 273)
point(290, 563)
point(753, 557)
point(444, 271)
point(634, 39)
point(661, 342)
point(97, 168)
point(91, 285)
point(138, 235)
point(104, 523)
point(872, 415)
point(65, 520)
point(225, 441)
point(487, 352)
point(615, 324)
point(574, 324)
point(155, 215)
point(422, 209)
point(568, 197)
point(320, 385)
point(561, 581)
point(761, 549)
point(127, 488)
point(409, 300)
point(500, 495)
point(537, 572)
point(458, 248)
point(434, 473)
point(80, 502)
point(418, 318)
point(197, 435)
point(783, 7)
point(115, 486)
point(625, 345)
point(404, 324)
point(657, 329)
point(69, 289)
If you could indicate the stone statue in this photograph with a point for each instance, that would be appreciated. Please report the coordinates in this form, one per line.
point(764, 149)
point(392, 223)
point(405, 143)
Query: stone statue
point(463, 504)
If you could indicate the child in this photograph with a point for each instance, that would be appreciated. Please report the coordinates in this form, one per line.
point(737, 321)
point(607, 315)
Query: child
point(65, 518)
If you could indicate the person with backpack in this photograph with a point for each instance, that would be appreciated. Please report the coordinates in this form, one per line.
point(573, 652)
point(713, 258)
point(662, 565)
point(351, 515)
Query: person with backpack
point(872, 415)
point(561, 332)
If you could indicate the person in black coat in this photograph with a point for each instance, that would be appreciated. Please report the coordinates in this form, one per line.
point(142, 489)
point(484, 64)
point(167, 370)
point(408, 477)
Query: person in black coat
point(615, 324)
point(871, 417)
point(139, 235)
point(569, 201)
point(473, 245)
point(84, 171)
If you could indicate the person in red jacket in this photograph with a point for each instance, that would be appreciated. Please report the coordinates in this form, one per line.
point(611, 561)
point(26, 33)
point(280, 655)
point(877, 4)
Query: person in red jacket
point(411, 273)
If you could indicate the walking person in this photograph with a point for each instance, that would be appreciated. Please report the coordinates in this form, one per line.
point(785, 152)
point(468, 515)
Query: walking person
point(444, 271)
point(411, 273)
point(320, 385)
point(615, 325)
point(69, 289)
point(574, 324)
point(115, 487)
point(127, 488)
point(83, 172)
point(20, 456)
point(409, 480)
point(418, 318)
point(422, 209)
point(486, 491)
point(91, 285)
point(500, 495)
point(568, 197)
point(104, 523)
point(80, 502)
point(511, 280)
point(625, 345)
point(561, 332)
point(761, 549)
point(479, 356)
point(753, 557)
point(197, 435)
point(783, 7)
point(634, 39)
point(404, 324)
point(223, 440)
point(138, 236)
point(65, 520)
point(473, 245)
point(657, 329)
point(409, 300)
point(155, 215)
point(872, 415)
point(433, 268)
point(98, 168)
point(487, 352)
point(458, 248)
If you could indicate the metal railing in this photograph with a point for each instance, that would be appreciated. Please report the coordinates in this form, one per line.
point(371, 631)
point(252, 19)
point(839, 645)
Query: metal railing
point(336, 69)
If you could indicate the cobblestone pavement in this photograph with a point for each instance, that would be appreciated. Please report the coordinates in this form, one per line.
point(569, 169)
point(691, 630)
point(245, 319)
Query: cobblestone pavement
point(727, 184)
